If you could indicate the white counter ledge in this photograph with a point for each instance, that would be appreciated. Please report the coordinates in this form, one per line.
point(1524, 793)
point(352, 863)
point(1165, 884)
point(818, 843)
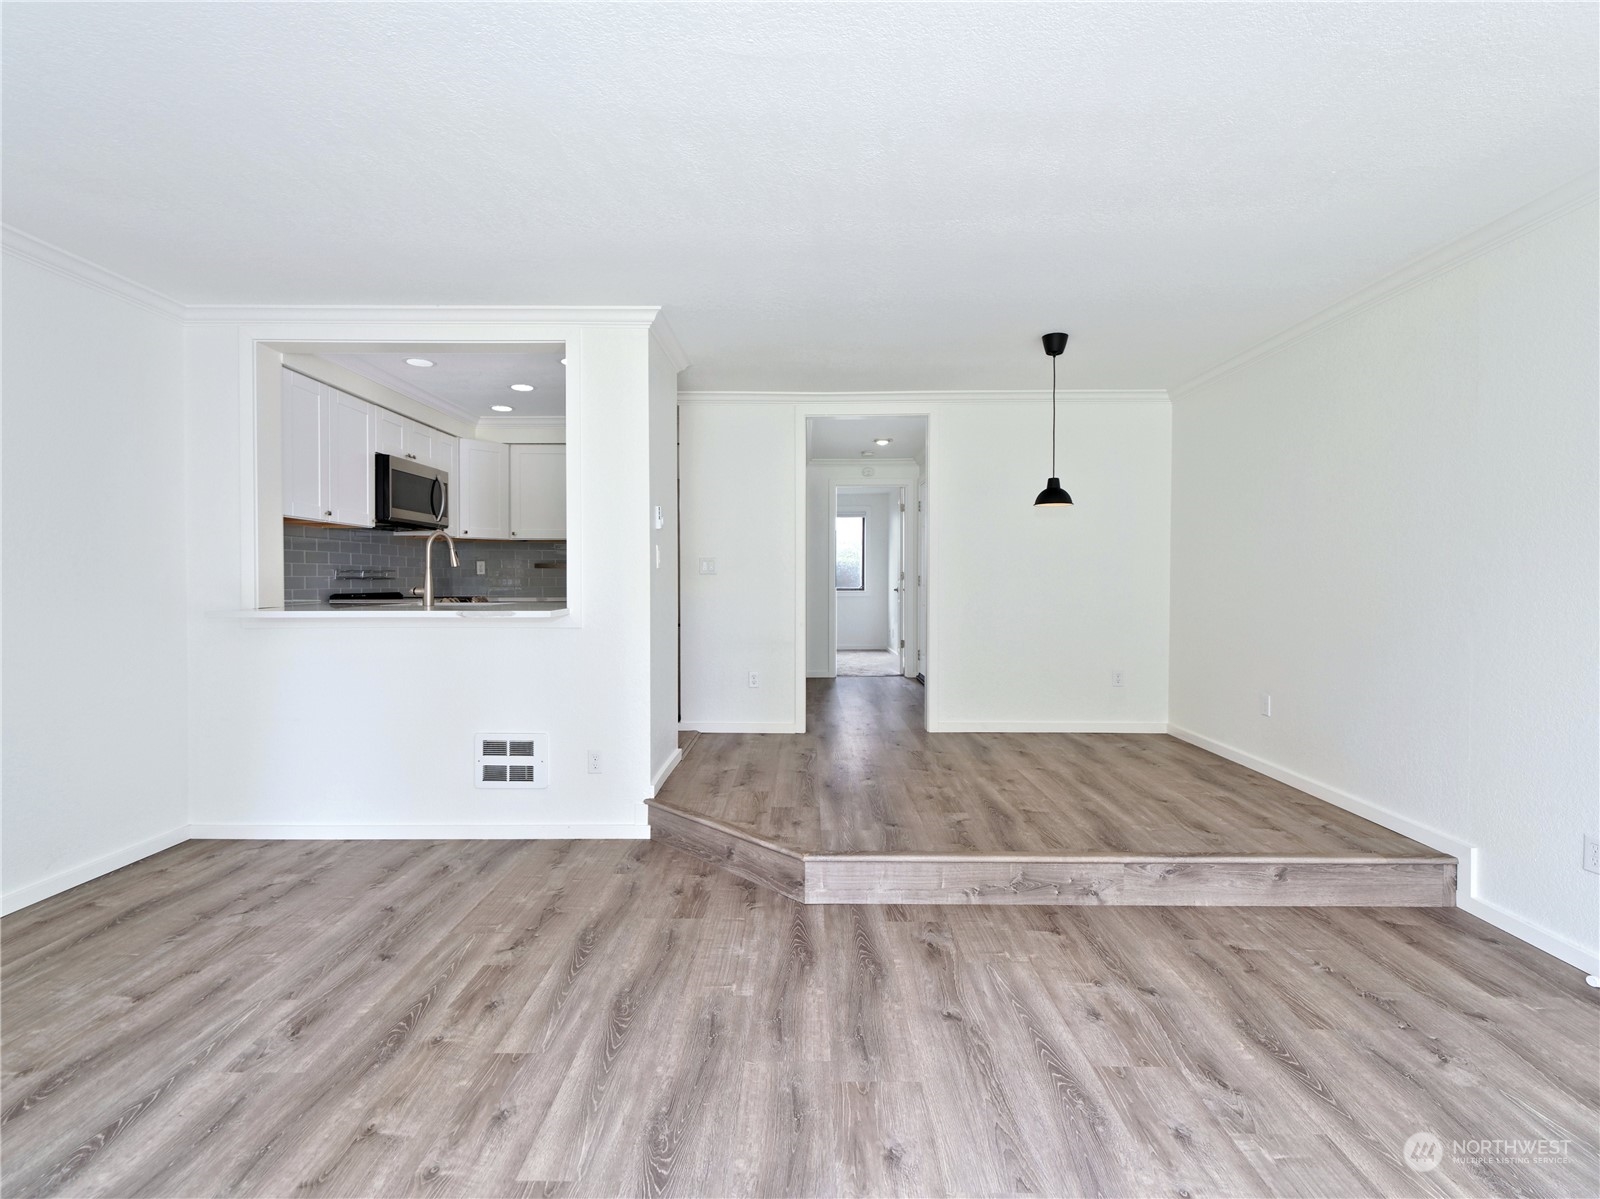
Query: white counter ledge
point(459, 613)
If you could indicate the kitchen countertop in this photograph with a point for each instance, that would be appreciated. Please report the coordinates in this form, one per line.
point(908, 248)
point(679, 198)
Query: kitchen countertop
point(500, 609)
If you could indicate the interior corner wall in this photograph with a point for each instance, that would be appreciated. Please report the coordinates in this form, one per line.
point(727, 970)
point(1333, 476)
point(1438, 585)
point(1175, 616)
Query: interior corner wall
point(94, 636)
point(1390, 526)
point(664, 564)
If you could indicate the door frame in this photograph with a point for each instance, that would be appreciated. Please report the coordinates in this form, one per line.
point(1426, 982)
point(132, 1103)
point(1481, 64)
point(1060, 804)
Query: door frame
point(901, 491)
point(887, 472)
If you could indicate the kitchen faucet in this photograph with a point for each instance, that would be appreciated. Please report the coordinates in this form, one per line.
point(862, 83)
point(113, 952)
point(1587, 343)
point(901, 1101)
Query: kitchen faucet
point(427, 560)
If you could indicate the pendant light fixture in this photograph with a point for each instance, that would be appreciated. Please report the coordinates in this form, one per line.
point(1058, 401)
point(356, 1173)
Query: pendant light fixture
point(1053, 495)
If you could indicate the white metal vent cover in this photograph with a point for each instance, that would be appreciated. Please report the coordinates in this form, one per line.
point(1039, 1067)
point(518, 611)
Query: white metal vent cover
point(513, 760)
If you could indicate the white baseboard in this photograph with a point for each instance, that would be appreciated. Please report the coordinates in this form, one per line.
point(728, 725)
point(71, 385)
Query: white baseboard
point(420, 832)
point(65, 880)
point(1466, 855)
point(739, 726)
point(1046, 726)
point(666, 770)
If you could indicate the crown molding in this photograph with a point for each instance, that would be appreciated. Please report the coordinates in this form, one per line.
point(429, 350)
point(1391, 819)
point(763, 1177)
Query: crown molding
point(503, 421)
point(1065, 396)
point(62, 262)
point(1567, 198)
point(503, 314)
point(661, 333)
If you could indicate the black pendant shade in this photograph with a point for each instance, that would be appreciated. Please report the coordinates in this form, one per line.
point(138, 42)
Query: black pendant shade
point(1053, 495)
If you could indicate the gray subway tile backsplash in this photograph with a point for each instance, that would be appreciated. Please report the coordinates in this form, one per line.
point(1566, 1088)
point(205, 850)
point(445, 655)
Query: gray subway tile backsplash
point(313, 555)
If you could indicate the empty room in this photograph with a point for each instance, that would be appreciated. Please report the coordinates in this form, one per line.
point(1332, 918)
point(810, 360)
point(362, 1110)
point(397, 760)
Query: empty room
point(766, 599)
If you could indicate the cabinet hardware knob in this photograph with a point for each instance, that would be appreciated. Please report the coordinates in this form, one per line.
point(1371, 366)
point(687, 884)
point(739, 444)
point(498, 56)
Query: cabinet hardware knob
point(327, 514)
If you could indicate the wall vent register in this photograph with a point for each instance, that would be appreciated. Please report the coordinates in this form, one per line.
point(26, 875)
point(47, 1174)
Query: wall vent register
point(513, 760)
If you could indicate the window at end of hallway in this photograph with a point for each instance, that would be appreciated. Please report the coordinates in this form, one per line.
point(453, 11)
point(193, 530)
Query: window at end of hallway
point(850, 536)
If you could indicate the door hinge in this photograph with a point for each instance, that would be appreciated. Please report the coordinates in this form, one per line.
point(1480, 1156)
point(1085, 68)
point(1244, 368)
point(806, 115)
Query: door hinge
point(902, 643)
point(902, 507)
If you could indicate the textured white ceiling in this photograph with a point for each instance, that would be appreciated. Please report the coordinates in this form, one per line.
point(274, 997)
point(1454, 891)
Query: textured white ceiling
point(852, 436)
point(468, 384)
point(823, 196)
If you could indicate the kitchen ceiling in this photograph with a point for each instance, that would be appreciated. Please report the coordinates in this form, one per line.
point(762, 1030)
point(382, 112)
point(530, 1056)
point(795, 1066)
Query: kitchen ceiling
point(821, 196)
point(469, 384)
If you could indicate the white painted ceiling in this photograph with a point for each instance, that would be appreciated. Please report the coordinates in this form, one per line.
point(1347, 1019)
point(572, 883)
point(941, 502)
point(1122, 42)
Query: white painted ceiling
point(828, 196)
point(852, 436)
point(467, 384)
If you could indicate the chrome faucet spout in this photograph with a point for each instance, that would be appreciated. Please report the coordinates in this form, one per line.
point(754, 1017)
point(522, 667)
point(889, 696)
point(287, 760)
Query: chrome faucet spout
point(427, 564)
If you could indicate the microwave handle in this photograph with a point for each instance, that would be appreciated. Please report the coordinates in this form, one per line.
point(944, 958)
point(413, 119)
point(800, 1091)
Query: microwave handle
point(436, 499)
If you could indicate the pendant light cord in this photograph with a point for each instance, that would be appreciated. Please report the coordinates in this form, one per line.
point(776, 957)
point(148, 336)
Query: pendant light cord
point(1052, 416)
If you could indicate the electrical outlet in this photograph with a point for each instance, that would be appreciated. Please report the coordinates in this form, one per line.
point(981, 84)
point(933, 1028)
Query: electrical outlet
point(755, 679)
point(708, 566)
point(1116, 678)
point(1266, 703)
point(483, 568)
point(1591, 855)
point(594, 761)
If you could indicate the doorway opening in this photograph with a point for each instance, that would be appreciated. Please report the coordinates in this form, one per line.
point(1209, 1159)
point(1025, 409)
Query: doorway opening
point(866, 539)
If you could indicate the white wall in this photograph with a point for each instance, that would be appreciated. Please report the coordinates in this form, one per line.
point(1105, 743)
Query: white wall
point(1029, 614)
point(1390, 525)
point(351, 728)
point(663, 565)
point(864, 615)
point(94, 642)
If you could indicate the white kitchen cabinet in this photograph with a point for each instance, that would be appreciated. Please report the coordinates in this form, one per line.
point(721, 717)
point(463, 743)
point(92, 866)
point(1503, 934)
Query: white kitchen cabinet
point(389, 432)
point(538, 492)
point(327, 453)
point(304, 477)
point(349, 456)
point(482, 489)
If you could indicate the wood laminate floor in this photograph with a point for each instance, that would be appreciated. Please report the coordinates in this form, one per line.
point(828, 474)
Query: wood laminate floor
point(867, 778)
point(617, 1018)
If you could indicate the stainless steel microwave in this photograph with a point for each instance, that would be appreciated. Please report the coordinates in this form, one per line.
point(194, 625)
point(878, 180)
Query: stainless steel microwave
point(410, 495)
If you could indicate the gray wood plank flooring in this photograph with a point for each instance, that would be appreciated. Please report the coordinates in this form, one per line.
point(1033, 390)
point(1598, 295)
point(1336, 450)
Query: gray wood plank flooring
point(867, 778)
point(620, 1018)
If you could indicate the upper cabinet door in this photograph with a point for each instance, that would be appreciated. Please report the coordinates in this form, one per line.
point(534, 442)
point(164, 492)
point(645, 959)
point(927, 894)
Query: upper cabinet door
point(304, 402)
point(481, 490)
point(349, 458)
point(419, 442)
point(389, 432)
point(539, 492)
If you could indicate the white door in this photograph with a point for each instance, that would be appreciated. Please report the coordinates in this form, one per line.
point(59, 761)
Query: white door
point(897, 575)
point(303, 402)
point(349, 460)
point(539, 492)
point(482, 498)
point(922, 579)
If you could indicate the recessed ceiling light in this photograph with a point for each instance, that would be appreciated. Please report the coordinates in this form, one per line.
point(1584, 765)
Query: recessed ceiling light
point(419, 361)
point(522, 387)
point(883, 441)
point(868, 454)
point(563, 362)
point(502, 407)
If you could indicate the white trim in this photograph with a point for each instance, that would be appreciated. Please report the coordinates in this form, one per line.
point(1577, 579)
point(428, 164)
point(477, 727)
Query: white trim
point(667, 340)
point(501, 421)
point(62, 262)
point(1558, 203)
point(1466, 855)
point(65, 880)
point(420, 832)
point(1081, 396)
point(666, 770)
point(741, 726)
point(958, 725)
